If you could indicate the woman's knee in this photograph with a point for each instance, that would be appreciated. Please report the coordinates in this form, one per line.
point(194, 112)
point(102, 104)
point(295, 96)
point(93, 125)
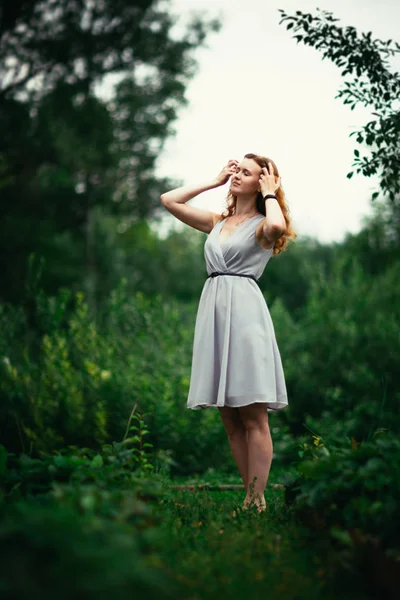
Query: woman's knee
point(231, 419)
point(254, 416)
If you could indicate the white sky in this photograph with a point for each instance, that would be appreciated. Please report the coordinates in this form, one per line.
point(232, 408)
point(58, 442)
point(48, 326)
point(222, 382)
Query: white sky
point(258, 90)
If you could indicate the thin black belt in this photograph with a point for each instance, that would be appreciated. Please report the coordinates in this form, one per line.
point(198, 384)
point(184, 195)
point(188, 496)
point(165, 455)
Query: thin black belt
point(216, 273)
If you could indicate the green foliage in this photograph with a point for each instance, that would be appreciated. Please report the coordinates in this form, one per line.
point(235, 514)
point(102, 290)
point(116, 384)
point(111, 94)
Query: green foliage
point(351, 486)
point(373, 85)
point(76, 168)
point(342, 357)
point(119, 464)
point(67, 555)
point(84, 512)
point(137, 442)
point(59, 399)
point(105, 38)
point(70, 379)
point(122, 534)
point(287, 277)
point(377, 244)
point(223, 551)
point(76, 384)
point(173, 266)
point(346, 491)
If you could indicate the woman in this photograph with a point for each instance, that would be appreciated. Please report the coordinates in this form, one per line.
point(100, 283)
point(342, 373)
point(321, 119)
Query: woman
point(236, 364)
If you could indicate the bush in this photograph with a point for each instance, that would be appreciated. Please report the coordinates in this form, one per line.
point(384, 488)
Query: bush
point(351, 486)
point(342, 357)
point(76, 382)
point(81, 523)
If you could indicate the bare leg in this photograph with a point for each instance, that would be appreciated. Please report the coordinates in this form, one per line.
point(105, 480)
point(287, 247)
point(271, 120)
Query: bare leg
point(237, 438)
point(255, 419)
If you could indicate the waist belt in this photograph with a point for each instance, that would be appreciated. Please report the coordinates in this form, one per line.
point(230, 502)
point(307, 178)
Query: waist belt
point(216, 273)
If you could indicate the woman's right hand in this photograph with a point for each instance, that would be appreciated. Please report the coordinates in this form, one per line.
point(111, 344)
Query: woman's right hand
point(227, 172)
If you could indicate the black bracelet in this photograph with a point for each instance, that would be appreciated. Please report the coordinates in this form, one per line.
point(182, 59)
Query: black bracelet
point(270, 196)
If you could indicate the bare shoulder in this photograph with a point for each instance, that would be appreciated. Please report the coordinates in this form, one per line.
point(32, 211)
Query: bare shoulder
point(261, 239)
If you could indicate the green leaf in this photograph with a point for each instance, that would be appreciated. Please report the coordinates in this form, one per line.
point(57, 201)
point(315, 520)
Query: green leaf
point(342, 536)
point(308, 468)
point(88, 502)
point(97, 461)
point(315, 468)
point(133, 438)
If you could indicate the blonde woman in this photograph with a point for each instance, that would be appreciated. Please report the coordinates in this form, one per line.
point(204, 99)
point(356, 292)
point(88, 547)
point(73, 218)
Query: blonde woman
point(236, 363)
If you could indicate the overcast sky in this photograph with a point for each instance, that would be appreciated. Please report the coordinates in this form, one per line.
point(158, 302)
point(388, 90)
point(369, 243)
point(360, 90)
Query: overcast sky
point(258, 90)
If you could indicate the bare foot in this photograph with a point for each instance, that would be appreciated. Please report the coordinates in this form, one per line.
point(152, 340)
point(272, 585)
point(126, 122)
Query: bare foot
point(260, 503)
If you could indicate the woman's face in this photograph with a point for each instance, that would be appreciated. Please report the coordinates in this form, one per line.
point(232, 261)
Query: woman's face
point(246, 180)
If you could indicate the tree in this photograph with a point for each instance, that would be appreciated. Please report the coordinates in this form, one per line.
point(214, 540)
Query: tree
point(80, 41)
point(64, 152)
point(372, 84)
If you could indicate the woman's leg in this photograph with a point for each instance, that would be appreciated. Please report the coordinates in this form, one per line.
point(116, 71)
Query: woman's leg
point(237, 438)
point(259, 447)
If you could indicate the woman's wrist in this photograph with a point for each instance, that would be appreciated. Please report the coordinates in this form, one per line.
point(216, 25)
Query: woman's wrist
point(214, 184)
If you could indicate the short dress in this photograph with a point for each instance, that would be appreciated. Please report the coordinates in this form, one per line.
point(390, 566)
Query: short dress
point(235, 358)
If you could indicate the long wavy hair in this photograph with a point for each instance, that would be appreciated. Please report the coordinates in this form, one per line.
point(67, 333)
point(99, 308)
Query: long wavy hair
point(282, 242)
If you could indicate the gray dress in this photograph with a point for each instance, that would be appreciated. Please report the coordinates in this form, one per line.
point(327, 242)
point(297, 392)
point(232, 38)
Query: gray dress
point(235, 359)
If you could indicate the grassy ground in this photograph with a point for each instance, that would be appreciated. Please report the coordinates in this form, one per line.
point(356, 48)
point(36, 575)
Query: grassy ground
point(100, 531)
point(217, 550)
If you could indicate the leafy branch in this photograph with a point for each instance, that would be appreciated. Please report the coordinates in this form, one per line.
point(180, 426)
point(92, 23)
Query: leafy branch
point(372, 85)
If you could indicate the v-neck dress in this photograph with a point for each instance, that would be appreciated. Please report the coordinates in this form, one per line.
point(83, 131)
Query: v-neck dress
point(235, 359)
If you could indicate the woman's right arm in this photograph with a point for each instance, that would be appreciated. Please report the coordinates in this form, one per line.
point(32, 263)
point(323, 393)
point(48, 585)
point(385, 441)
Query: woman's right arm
point(198, 218)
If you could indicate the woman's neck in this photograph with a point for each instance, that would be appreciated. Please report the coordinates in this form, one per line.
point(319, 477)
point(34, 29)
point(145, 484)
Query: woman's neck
point(245, 209)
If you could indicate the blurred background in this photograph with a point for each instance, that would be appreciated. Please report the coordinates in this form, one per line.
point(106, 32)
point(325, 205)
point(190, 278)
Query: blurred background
point(104, 106)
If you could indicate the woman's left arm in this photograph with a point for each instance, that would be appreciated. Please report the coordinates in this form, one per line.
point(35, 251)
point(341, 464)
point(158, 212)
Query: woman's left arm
point(274, 224)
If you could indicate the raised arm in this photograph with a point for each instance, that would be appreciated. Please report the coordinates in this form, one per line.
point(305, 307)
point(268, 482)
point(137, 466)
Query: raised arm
point(198, 218)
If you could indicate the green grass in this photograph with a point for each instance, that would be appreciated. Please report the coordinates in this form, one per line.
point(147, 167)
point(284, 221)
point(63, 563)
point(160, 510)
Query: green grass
point(125, 533)
point(217, 550)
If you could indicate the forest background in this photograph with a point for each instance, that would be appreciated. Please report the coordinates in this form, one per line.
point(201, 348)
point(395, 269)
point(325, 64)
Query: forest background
point(97, 309)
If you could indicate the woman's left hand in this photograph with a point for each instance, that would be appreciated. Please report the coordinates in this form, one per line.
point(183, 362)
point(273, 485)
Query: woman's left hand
point(269, 182)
